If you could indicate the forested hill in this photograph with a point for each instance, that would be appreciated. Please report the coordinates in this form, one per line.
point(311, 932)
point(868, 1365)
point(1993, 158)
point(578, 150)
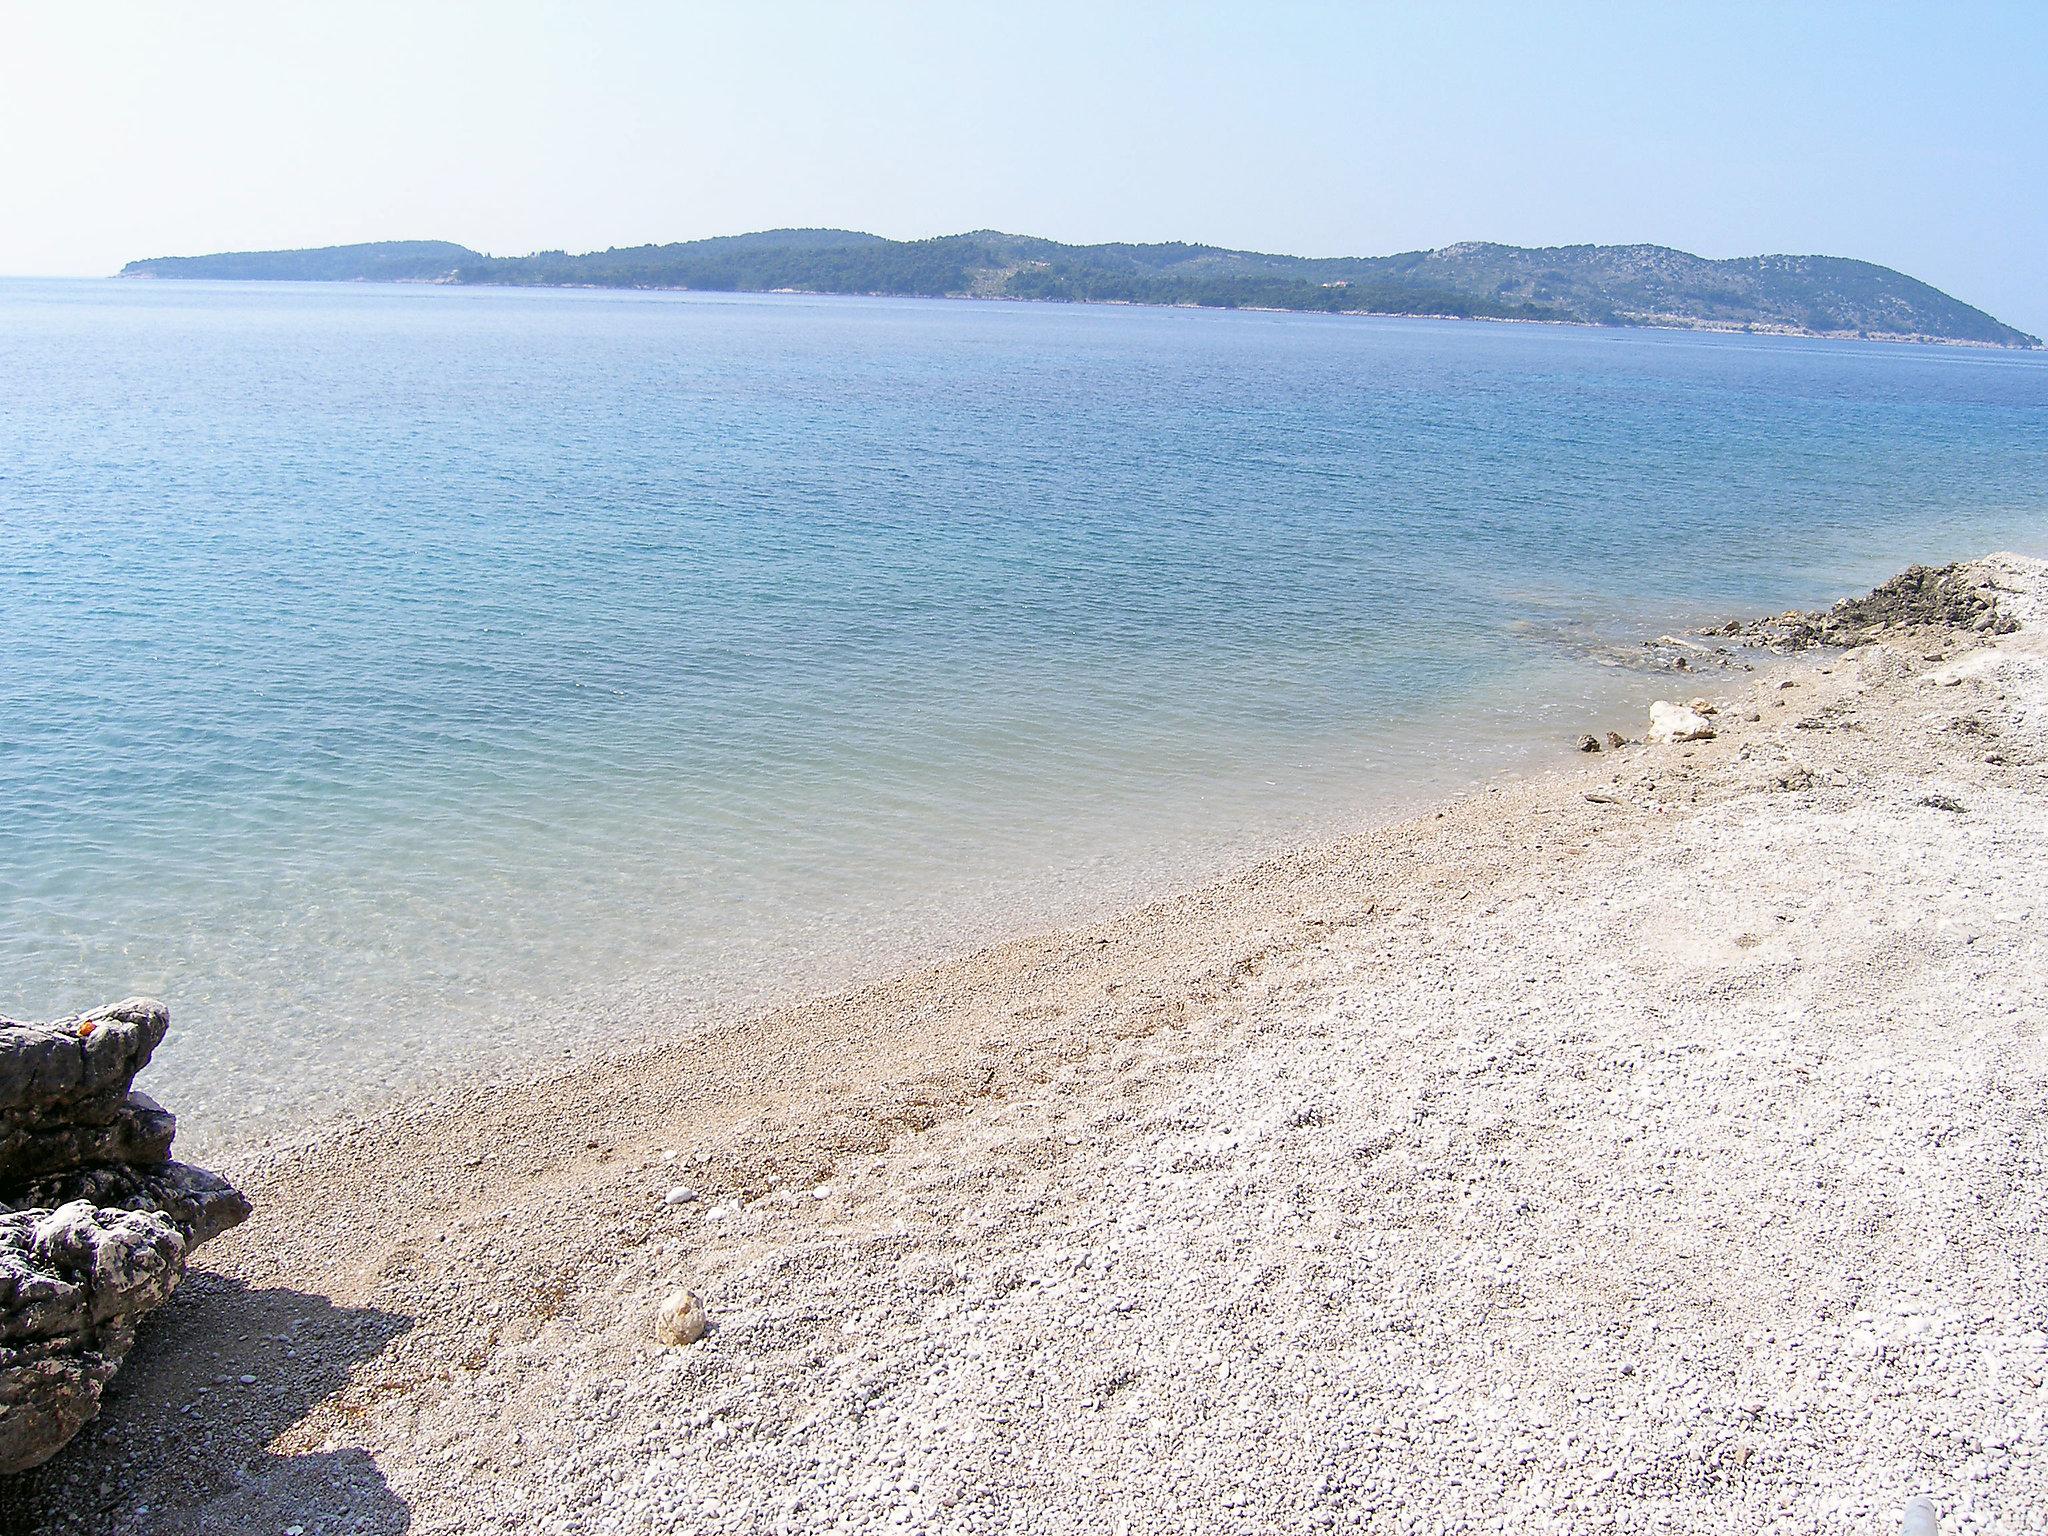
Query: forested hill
point(380, 261)
point(1592, 284)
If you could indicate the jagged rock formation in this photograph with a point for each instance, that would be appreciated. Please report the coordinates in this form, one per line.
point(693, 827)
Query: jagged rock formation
point(96, 1221)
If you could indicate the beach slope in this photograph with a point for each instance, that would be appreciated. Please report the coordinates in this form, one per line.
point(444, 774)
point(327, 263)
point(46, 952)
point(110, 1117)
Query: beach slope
point(1655, 1144)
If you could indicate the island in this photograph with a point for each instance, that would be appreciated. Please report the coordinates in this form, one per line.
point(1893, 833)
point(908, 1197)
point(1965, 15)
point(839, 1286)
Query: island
point(1626, 285)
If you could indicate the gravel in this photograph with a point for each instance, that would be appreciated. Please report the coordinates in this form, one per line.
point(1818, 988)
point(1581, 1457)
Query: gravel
point(1652, 1145)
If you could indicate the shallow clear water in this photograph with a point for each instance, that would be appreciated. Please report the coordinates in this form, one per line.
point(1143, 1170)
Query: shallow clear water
point(388, 673)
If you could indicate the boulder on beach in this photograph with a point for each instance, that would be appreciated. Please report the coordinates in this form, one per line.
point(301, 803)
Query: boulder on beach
point(1671, 722)
point(96, 1221)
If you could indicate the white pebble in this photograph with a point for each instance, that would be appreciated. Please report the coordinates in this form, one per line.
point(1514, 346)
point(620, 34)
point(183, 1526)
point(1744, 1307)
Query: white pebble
point(681, 1319)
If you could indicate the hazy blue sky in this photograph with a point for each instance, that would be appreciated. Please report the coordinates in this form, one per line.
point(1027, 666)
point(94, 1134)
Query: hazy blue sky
point(1916, 136)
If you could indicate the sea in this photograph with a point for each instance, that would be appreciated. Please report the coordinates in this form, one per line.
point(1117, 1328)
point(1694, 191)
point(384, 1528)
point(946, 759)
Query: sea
point(404, 681)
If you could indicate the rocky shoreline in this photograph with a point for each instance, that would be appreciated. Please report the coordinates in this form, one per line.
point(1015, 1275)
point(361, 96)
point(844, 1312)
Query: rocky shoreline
point(1920, 599)
point(96, 1221)
point(1651, 1144)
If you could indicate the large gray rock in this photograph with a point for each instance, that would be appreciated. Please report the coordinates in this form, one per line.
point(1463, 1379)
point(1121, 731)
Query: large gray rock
point(73, 1284)
point(96, 1221)
point(199, 1204)
point(65, 1100)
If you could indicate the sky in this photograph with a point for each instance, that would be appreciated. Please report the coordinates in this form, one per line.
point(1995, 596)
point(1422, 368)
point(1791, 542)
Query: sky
point(1912, 135)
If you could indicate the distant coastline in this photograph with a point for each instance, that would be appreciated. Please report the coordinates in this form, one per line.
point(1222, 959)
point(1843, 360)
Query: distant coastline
point(1641, 286)
point(1683, 327)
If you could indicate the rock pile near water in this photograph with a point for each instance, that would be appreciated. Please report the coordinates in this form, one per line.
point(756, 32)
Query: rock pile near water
point(96, 1221)
point(1951, 597)
point(1921, 602)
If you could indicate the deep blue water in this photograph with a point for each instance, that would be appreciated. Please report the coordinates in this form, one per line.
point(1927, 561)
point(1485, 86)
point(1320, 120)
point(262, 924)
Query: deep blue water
point(382, 666)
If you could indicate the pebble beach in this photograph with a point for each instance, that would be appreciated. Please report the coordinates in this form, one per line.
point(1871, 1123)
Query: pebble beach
point(1649, 1144)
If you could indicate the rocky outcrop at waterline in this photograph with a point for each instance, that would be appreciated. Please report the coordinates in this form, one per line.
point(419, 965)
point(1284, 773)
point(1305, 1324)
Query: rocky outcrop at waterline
point(96, 1221)
point(1939, 604)
point(1949, 597)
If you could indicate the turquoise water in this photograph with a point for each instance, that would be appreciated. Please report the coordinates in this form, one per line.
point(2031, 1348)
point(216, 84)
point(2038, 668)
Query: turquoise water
point(392, 676)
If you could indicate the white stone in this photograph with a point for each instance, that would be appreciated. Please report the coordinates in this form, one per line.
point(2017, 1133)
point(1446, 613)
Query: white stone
point(1677, 722)
point(681, 1319)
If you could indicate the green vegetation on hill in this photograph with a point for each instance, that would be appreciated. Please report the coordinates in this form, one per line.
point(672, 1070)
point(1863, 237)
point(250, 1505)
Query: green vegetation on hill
point(1590, 284)
point(379, 261)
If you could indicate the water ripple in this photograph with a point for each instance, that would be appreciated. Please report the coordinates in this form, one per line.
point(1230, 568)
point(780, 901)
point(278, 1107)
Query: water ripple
point(376, 662)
